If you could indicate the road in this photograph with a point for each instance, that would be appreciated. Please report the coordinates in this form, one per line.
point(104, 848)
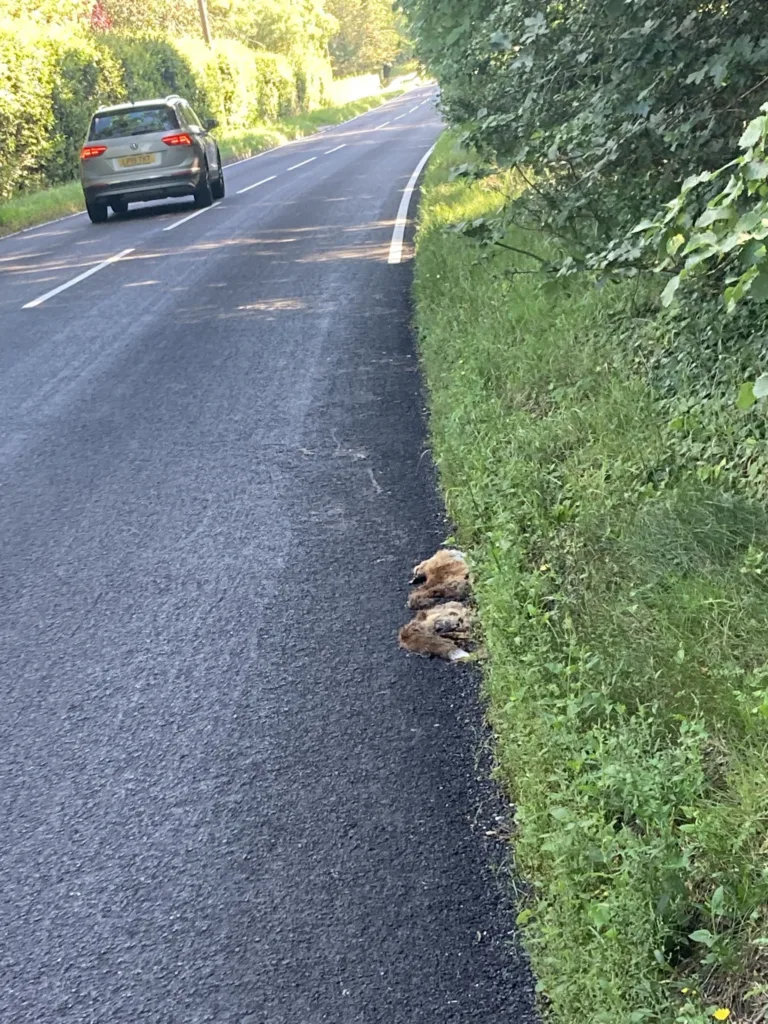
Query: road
point(226, 795)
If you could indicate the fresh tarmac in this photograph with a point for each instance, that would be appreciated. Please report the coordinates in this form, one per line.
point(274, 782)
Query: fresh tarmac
point(226, 795)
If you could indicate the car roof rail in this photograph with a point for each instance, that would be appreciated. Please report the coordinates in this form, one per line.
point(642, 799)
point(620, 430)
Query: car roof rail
point(112, 106)
point(173, 96)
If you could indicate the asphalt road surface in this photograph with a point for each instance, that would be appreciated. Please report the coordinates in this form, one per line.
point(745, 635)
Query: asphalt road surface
point(226, 795)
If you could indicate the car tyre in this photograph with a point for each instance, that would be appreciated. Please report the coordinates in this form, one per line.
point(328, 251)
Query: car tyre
point(98, 212)
point(119, 206)
point(218, 187)
point(203, 193)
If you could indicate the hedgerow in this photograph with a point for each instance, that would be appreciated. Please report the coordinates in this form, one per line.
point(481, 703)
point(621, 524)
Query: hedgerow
point(53, 77)
point(612, 103)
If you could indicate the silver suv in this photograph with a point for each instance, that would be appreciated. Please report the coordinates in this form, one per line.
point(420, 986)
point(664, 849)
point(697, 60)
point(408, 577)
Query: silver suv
point(155, 149)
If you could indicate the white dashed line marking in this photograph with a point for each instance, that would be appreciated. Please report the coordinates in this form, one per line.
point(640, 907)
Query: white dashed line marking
point(329, 151)
point(77, 280)
point(256, 184)
point(178, 223)
point(302, 164)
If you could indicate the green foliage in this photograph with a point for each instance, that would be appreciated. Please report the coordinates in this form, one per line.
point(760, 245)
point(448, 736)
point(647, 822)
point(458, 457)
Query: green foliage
point(31, 208)
point(53, 77)
point(243, 86)
point(610, 104)
point(47, 11)
point(714, 231)
point(370, 35)
point(85, 75)
point(152, 17)
point(314, 82)
point(598, 471)
point(154, 66)
point(26, 117)
point(294, 28)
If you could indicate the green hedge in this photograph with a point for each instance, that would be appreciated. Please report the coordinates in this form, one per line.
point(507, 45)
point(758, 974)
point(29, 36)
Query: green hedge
point(52, 79)
point(314, 81)
point(26, 121)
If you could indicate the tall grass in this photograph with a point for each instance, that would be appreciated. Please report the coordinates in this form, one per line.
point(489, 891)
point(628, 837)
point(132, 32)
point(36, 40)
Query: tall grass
point(37, 207)
point(625, 615)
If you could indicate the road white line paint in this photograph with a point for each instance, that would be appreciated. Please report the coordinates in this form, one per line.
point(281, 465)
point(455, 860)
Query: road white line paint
point(396, 249)
point(336, 150)
point(302, 164)
point(178, 223)
point(399, 118)
point(256, 184)
point(231, 163)
point(382, 125)
point(76, 280)
point(414, 108)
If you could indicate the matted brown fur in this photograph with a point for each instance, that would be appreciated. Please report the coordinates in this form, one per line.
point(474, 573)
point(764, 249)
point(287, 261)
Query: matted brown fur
point(439, 632)
point(443, 577)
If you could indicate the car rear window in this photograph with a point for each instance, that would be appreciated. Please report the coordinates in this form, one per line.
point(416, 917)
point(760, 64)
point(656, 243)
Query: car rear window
point(132, 122)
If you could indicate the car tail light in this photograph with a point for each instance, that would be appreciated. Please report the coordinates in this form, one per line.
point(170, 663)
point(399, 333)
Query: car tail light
point(178, 139)
point(89, 151)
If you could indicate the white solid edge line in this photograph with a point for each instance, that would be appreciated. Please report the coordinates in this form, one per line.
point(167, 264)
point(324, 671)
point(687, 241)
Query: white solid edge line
point(329, 151)
point(303, 162)
point(256, 184)
point(178, 223)
point(398, 236)
point(76, 280)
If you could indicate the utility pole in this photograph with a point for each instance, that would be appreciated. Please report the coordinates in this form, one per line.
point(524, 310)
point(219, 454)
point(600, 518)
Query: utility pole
point(202, 7)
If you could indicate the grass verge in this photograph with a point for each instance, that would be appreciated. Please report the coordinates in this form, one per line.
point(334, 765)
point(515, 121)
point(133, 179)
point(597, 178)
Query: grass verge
point(32, 208)
point(621, 582)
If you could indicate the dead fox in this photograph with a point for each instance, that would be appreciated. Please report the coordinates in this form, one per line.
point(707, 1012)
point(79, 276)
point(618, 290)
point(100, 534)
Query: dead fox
point(439, 631)
point(443, 577)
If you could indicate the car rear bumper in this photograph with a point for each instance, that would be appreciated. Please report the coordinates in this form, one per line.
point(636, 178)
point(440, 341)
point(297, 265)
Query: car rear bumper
point(168, 185)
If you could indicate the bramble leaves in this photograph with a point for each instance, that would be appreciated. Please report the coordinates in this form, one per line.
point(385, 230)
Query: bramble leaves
point(613, 110)
point(746, 397)
point(724, 232)
point(668, 295)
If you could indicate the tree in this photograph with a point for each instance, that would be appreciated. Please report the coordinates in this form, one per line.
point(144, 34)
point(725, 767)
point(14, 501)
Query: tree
point(291, 27)
point(369, 36)
point(152, 17)
point(47, 11)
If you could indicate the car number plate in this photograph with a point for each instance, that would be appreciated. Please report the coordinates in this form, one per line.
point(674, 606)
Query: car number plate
point(134, 161)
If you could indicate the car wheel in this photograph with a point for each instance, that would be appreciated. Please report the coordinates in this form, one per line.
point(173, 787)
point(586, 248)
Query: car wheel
point(119, 206)
point(217, 187)
point(203, 193)
point(98, 212)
